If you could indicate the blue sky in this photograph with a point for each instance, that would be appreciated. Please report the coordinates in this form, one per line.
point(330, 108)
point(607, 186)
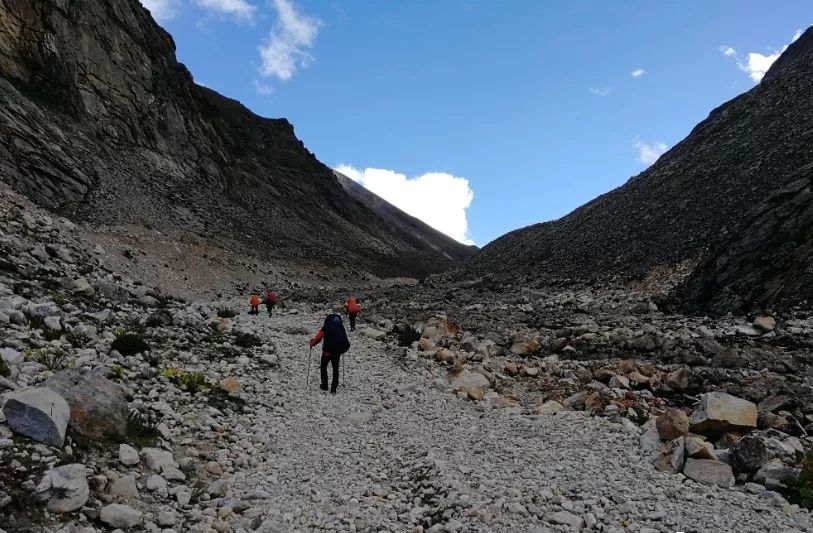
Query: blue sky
point(483, 116)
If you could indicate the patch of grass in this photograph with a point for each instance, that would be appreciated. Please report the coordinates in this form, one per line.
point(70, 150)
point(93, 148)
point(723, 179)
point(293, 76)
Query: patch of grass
point(117, 371)
point(54, 362)
point(128, 344)
point(226, 312)
point(191, 381)
point(800, 489)
point(5, 371)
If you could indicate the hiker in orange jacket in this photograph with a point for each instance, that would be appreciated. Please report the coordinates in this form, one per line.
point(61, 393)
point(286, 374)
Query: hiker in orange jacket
point(254, 302)
point(352, 307)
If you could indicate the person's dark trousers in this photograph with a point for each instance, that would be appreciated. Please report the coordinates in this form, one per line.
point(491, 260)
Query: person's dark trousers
point(270, 309)
point(353, 321)
point(254, 310)
point(333, 359)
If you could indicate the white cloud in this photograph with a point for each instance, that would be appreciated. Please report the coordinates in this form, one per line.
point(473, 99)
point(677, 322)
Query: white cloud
point(728, 51)
point(162, 9)
point(437, 198)
point(755, 64)
point(286, 49)
point(600, 92)
point(649, 153)
point(263, 89)
point(239, 9)
point(638, 72)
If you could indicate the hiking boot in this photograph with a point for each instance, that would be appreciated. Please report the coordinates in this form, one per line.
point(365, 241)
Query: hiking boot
point(332, 391)
point(323, 387)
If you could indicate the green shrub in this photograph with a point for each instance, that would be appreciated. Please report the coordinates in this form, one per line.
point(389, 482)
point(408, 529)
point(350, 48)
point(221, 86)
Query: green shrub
point(142, 430)
point(191, 381)
point(128, 344)
point(5, 371)
point(800, 489)
point(226, 312)
point(247, 340)
point(52, 361)
point(78, 339)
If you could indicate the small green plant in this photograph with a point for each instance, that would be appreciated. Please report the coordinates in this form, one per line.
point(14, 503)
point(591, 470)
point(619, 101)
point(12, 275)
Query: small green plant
point(800, 489)
point(5, 371)
point(142, 430)
point(191, 381)
point(52, 361)
point(226, 312)
point(117, 371)
point(247, 340)
point(78, 339)
point(128, 344)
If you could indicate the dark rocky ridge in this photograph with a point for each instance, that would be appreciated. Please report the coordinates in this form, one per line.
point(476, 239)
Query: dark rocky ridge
point(718, 189)
point(99, 122)
point(400, 223)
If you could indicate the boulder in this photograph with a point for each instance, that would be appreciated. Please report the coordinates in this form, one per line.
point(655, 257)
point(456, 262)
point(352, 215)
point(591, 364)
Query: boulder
point(38, 413)
point(467, 381)
point(567, 519)
point(774, 473)
point(426, 345)
point(64, 489)
point(764, 324)
point(749, 454)
point(619, 382)
point(230, 384)
point(124, 488)
point(81, 286)
point(98, 406)
point(120, 516)
point(709, 472)
point(697, 448)
point(670, 457)
point(11, 356)
point(558, 344)
point(445, 355)
point(128, 455)
point(720, 412)
point(374, 334)
point(157, 459)
point(525, 346)
point(672, 424)
point(551, 407)
point(112, 291)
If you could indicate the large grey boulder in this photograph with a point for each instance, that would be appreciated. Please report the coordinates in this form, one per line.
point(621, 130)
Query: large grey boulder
point(120, 516)
point(64, 489)
point(709, 472)
point(98, 406)
point(720, 412)
point(112, 291)
point(11, 356)
point(38, 413)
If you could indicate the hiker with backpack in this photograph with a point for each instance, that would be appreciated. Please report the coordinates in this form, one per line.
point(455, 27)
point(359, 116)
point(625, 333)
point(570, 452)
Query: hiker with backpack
point(254, 302)
point(270, 301)
point(352, 307)
point(335, 344)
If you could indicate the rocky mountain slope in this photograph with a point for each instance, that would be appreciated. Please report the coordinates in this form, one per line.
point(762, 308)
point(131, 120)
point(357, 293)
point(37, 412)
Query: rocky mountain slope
point(410, 228)
point(734, 188)
point(99, 122)
point(122, 409)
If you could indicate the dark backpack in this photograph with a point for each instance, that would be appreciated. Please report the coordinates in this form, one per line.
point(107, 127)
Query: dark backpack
point(336, 341)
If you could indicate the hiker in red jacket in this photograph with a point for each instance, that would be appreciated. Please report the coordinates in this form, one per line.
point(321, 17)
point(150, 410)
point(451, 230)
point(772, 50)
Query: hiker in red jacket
point(352, 307)
point(336, 343)
point(270, 301)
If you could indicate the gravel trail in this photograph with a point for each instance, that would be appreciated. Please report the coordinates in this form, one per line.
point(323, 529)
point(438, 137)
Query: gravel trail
point(393, 451)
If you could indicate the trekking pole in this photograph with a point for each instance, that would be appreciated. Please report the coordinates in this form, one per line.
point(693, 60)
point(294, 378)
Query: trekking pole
point(308, 378)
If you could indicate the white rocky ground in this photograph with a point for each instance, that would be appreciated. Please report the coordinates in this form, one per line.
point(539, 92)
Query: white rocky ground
point(393, 451)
